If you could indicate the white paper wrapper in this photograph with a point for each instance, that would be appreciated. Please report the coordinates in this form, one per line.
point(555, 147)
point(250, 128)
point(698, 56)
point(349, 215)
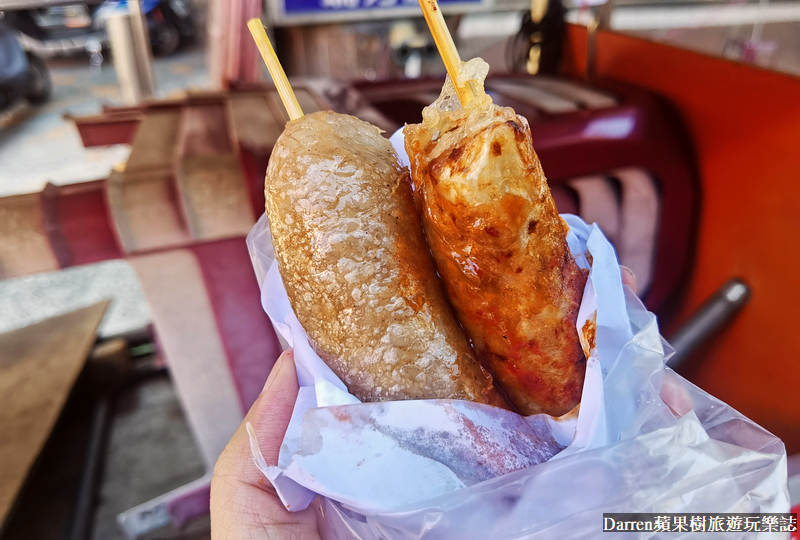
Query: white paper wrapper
point(421, 469)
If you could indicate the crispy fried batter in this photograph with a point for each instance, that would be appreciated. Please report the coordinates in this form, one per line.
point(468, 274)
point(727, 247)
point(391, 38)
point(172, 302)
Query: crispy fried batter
point(500, 247)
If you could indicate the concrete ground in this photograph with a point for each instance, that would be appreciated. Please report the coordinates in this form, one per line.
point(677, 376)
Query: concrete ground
point(150, 452)
point(45, 147)
point(30, 299)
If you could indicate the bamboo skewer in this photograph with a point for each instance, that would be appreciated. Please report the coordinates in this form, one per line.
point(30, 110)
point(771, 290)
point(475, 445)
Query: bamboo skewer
point(447, 49)
point(275, 69)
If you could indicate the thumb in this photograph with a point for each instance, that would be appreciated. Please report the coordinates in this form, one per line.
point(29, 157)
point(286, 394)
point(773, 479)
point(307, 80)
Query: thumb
point(243, 504)
point(272, 411)
point(629, 278)
point(269, 416)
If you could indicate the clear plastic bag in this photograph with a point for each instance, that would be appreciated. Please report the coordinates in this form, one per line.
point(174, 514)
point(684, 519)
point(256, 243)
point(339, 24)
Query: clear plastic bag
point(645, 440)
point(712, 459)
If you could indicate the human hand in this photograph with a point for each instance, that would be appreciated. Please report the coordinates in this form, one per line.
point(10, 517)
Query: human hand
point(629, 278)
point(243, 503)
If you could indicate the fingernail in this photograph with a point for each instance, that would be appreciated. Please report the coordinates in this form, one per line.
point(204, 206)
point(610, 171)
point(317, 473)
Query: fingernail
point(632, 277)
point(279, 363)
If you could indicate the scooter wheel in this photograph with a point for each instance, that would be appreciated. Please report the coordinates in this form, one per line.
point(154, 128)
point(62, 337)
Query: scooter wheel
point(166, 40)
point(39, 83)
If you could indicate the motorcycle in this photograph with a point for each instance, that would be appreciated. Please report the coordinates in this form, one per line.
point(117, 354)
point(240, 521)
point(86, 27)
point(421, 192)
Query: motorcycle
point(169, 22)
point(70, 29)
point(22, 74)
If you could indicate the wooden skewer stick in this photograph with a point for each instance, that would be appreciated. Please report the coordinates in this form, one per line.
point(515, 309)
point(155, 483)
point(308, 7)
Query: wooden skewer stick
point(447, 49)
point(275, 69)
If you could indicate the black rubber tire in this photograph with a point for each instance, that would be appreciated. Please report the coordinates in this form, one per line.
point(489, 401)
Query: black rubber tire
point(167, 39)
point(40, 85)
point(6, 99)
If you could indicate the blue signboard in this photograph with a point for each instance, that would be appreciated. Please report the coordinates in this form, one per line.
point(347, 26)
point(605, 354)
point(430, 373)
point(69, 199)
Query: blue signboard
point(340, 6)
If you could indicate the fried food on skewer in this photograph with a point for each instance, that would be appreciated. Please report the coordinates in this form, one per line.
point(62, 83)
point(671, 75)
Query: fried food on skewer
point(500, 245)
point(351, 252)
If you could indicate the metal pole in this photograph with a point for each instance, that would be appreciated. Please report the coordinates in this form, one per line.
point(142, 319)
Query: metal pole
point(216, 42)
point(141, 42)
point(92, 470)
point(124, 57)
point(710, 317)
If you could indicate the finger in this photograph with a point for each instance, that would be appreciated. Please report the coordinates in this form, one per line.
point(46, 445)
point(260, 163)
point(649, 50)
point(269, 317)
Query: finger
point(243, 503)
point(675, 395)
point(629, 278)
point(269, 416)
point(272, 411)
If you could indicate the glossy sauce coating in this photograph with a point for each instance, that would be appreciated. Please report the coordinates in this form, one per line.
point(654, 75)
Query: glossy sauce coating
point(501, 249)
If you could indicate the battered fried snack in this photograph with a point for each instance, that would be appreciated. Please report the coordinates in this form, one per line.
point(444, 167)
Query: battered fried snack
point(358, 273)
point(500, 247)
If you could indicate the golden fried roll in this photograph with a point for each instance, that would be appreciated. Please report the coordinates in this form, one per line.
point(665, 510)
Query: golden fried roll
point(351, 252)
point(501, 248)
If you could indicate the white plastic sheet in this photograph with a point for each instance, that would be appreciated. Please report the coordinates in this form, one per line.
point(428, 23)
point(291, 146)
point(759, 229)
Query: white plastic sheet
point(628, 450)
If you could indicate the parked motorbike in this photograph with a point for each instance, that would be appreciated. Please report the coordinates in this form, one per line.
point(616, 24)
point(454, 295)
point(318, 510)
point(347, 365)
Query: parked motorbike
point(169, 22)
point(22, 74)
point(65, 30)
